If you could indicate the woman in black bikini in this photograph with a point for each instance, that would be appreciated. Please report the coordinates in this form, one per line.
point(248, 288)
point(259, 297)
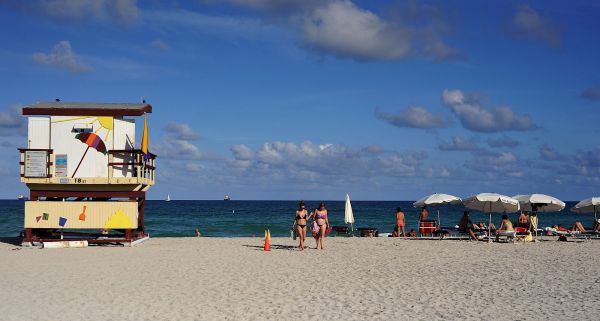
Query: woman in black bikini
point(300, 220)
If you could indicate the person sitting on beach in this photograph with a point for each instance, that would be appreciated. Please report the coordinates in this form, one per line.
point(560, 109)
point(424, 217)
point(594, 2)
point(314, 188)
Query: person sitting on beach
point(400, 221)
point(597, 225)
point(300, 224)
point(424, 214)
point(523, 220)
point(578, 227)
point(198, 234)
point(505, 226)
point(465, 225)
point(320, 216)
point(395, 233)
point(412, 233)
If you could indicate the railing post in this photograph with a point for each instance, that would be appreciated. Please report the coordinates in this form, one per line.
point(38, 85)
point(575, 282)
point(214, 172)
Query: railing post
point(110, 166)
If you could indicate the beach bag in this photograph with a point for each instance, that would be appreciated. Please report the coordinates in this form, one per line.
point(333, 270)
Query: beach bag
point(314, 228)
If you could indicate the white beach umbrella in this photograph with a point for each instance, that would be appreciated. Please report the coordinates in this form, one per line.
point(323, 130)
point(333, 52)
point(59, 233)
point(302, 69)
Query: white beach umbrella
point(588, 205)
point(348, 214)
point(492, 203)
point(542, 202)
point(437, 199)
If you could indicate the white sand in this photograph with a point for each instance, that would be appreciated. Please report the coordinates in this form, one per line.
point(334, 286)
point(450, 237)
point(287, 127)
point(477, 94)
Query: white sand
point(352, 279)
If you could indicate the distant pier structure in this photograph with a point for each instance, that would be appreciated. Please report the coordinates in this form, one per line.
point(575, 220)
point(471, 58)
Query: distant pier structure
point(87, 180)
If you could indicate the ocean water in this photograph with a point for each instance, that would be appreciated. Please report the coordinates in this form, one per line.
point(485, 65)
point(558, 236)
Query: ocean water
point(248, 218)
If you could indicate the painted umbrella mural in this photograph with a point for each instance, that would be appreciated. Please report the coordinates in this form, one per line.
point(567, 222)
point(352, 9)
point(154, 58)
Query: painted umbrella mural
point(91, 140)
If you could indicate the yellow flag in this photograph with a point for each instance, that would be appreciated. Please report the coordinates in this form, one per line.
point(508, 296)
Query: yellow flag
point(145, 136)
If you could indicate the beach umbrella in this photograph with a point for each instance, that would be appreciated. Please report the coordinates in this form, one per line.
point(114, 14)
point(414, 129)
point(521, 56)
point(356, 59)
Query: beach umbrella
point(542, 202)
point(348, 214)
point(91, 140)
point(492, 203)
point(588, 205)
point(437, 199)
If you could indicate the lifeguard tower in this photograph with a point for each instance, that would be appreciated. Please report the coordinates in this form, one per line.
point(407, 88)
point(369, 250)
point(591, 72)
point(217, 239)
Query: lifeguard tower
point(87, 180)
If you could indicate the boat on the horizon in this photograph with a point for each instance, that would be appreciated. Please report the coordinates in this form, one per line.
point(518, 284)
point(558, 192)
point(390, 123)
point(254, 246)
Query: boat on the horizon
point(168, 198)
point(22, 197)
point(226, 198)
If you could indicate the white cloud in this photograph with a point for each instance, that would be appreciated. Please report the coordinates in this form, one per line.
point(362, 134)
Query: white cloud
point(242, 152)
point(413, 117)
point(62, 56)
point(333, 162)
point(343, 29)
point(120, 11)
point(503, 141)
point(527, 23)
point(181, 131)
point(550, 154)
point(474, 117)
point(12, 122)
point(495, 165)
point(170, 147)
point(346, 30)
point(458, 144)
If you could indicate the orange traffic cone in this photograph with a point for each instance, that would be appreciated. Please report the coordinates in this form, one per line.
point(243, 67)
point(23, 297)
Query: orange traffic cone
point(267, 246)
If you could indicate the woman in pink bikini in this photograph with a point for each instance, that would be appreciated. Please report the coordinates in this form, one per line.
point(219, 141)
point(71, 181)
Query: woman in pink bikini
point(320, 217)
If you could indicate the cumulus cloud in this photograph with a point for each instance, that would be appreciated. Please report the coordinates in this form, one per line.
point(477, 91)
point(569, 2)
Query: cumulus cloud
point(412, 117)
point(62, 56)
point(550, 154)
point(160, 45)
point(242, 152)
point(177, 144)
point(588, 162)
point(120, 11)
point(459, 144)
point(495, 164)
point(503, 141)
point(12, 122)
point(181, 131)
point(345, 30)
point(170, 147)
point(476, 118)
point(332, 161)
point(592, 93)
point(527, 23)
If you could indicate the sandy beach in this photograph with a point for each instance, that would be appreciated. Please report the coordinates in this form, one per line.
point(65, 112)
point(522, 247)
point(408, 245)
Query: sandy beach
point(352, 279)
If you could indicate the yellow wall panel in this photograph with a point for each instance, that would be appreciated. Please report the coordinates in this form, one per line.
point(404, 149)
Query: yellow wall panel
point(81, 215)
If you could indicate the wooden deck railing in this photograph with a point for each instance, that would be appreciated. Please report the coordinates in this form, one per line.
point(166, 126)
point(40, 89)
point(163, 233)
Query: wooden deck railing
point(36, 164)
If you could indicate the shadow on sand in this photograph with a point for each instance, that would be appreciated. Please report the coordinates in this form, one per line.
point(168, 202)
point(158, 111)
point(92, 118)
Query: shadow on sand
point(274, 247)
point(11, 240)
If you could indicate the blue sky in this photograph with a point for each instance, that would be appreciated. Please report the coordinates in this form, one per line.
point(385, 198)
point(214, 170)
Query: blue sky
point(291, 99)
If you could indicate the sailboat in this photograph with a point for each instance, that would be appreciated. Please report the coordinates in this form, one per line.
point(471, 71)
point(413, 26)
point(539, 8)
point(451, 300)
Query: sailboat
point(168, 198)
point(348, 214)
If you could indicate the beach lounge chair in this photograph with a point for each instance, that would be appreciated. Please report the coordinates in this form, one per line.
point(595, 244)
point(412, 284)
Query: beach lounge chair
point(522, 234)
point(507, 235)
point(340, 231)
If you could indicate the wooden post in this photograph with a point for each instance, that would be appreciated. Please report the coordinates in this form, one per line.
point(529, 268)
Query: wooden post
point(28, 235)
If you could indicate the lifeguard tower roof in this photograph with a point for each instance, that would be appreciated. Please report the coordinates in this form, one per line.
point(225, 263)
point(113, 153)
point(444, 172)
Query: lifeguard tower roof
point(60, 108)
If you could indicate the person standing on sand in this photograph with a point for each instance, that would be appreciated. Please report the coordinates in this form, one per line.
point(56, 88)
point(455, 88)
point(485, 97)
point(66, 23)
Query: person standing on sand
point(320, 217)
point(400, 222)
point(424, 214)
point(300, 221)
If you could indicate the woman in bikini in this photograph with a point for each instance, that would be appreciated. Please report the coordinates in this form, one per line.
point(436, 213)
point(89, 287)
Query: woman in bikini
point(320, 217)
point(300, 221)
